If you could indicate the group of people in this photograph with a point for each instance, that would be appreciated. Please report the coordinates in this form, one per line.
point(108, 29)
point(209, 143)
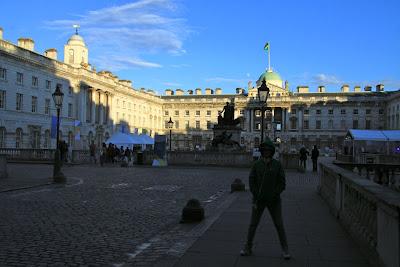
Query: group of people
point(314, 157)
point(110, 153)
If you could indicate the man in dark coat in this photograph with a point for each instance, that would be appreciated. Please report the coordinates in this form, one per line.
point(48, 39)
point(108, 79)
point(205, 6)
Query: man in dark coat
point(267, 182)
point(303, 157)
point(314, 157)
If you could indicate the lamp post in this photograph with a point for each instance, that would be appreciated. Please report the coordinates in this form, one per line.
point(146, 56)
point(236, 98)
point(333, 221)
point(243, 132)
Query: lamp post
point(170, 125)
point(263, 93)
point(58, 95)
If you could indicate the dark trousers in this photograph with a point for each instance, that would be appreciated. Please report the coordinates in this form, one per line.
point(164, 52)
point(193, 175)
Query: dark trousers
point(275, 210)
point(303, 162)
point(315, 165)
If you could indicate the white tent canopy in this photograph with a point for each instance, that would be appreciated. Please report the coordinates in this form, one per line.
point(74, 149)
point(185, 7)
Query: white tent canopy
point(121, 139)
point(374, 135)
point(147, 140)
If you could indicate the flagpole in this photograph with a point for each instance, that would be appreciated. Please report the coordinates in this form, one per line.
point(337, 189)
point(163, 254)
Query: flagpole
point(269, 58)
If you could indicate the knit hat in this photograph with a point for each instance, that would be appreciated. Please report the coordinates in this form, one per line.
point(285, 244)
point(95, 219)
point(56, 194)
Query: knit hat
point(267, 145)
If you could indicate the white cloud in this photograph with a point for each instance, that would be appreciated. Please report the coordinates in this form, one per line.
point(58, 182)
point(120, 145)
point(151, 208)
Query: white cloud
point(130, 31)
point(172, 84)
point(326, 79)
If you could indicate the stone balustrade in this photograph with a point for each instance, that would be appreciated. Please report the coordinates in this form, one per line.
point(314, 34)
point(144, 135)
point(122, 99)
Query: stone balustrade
point(210, 158)
point(368, 211)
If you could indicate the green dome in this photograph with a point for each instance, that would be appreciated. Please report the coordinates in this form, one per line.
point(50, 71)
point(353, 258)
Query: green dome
point(269, 75)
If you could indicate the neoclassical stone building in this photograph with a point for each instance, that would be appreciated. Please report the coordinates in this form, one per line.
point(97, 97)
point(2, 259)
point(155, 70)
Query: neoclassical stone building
point(96, 104)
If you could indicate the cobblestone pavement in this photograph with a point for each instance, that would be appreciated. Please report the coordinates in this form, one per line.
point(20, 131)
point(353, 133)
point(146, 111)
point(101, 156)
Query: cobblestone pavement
point(105, 216)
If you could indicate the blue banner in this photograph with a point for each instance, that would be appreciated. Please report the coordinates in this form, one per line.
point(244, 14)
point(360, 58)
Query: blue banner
point(53, 131)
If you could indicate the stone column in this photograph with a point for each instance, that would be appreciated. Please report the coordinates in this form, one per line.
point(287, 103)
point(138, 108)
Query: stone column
point(82, 104)
point(93, 110)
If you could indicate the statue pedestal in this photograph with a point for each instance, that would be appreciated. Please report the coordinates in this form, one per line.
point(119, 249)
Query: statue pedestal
point(233, 143)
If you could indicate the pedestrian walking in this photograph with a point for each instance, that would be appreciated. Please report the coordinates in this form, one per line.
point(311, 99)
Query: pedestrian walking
point(314, 157)
point(267, 182)
point(303, 157)
point(92, 149)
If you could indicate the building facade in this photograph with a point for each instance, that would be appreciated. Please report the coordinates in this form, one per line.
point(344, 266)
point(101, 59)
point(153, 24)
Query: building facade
point(98, 103)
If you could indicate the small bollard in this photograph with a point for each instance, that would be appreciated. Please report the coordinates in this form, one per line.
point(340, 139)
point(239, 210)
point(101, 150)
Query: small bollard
point(192, 212)
point(237, 185)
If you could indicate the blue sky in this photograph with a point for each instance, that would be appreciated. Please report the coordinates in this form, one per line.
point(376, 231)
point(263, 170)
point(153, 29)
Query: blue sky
point(161, 44)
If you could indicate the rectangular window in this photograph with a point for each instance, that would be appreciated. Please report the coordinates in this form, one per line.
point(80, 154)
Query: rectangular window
point(330, 124)
point(3, 74)
point(293, 124)
point(368, 111)
point(318, 112)
point(70, 90)
point(166, 113)
point(355, 124)
point(355, 111)
point(257, 113)
point(20, 78)
point(242, 112)
point(20, 99)
point(330, 112)
point(209, 125)
point(187, 125)
point(367, 124)
point(317, 124)
point(381, 111)
point(48, 84)
point(176, 112)
point(293, 111)
point(197, 124)
point(197, 112)
point(342, 111)
point(2, 99)
point(343, 124)
point(166, 125)
point(35, 81)
point(34, 103)
point(257, 126)
point(306, 112)
point(70, 110)
point(47, 106)
point(208, 112)
point(176, 124)
point(187, 113)
point(123, 104)
point(305, 125)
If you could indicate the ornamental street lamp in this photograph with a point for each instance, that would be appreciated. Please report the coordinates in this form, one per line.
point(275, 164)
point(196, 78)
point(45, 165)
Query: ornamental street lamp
point(170, 125)
point(58, 176)
point(263, 93)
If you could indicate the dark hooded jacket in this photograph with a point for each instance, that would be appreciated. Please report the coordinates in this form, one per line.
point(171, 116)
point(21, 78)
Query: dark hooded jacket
point(267, 181)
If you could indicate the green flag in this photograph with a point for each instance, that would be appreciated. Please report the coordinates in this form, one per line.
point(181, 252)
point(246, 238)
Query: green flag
point(266, 47)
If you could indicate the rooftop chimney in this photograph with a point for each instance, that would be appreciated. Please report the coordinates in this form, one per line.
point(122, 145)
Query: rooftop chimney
point(209, 91)
point(380, 87)
point(302, 89)
point(345, 88)
point(51, 53)
point(239, 91)
point(190, 92)
point(1, 33)
point(179, 92)
point(218, 91)
point(169, 92)
point(321, 89)
point(26, 43)
point(367, 88)
point(198, 91)
point(357, 88)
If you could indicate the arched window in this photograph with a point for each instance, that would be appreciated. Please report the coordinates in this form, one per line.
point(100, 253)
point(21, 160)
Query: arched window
point(46, 143)
point(71, 56)
point(18, 138)
point(2, 137)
